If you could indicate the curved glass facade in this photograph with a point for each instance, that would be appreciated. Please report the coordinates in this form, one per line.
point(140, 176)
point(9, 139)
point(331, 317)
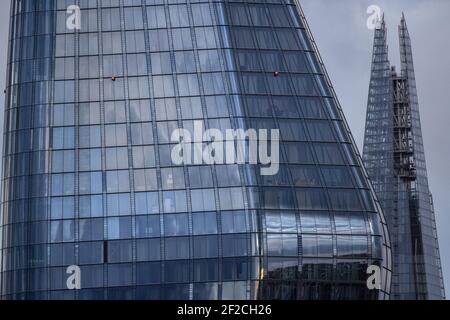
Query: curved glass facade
point(88, 175)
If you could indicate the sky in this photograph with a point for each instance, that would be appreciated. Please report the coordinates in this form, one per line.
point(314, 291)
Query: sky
point(345, 43)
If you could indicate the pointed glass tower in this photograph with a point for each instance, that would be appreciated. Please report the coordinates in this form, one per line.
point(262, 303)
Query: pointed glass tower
point(88, 175)
point(395, 160)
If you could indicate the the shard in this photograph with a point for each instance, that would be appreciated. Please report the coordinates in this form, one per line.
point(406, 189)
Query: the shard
point(395, 160)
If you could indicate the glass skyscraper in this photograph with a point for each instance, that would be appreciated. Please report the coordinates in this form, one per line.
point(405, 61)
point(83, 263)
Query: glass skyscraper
point(395, 159)
point(89, 180)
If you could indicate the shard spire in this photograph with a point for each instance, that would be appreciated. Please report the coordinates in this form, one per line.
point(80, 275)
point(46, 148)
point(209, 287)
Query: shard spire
point(394, 157)
point(424, 235)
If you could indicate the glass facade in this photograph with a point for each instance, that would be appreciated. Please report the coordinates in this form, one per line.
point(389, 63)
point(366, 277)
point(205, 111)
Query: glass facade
point(88, 175)
point(395, 159)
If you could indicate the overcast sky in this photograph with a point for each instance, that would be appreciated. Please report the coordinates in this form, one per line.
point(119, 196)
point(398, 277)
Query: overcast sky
point(345, 43)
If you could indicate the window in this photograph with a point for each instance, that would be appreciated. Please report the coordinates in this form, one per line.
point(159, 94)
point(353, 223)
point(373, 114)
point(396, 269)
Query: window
point(325, 246)
point(344, 246)
point(112, 42)
point(88, 43)
point(358, 223)
point(172, 178)
point(177, 248)
point(175, 201)
point(265, 38)
point(119, 228)
point(91, 206)
point(200, 177)
point(277, 198)
point(182, 39)
point(345, 200)
point(234, 222)
point(165, 109)
point(176, 272)
point(90, 182)
point(120, 275)
point(188, 85)
point(62, 208)
point(206, 37)
point(228, 176)
point(115, 112)
point(234, 245)
point(63, 184)
point(89, 67)
point(114, 90)
point(148, 249)
point(176, 225)
point(143, 276)
point(311, 199)
point(304, 85)
point(249, 61)
point(63, 161)
point(140, 111)
point(111, 19)
point(117, 181)
point(281, 222)
point(91, 253)
point(61, 254)
point(91, 229)
point(337, 176)
point(231, 199)
point(204, 223)
point(89, 113)
point(65, 68)
point(234, 290)
point(145, 180)
point(342, 223)
point(133, 18)
point(206, 270)
point(272, 61)
point(282, 244)
point(259, 16)
point(138, 87)
point(234, 269)
point(147, 203)
point(296, 62)
point(144, 157)
point(119, 251)
point(62, 231)
point(185, 62)
point(201, 14)
point(309, 245)
point(292, 130)
point(116, 135)
point(163, 86)
point(158, 40)
point(305, 176)
point(89, 137)
point(135, 41)
point(203, 200)
point(156, 17)
point(320, 130)
point(148, 226)
point(117, 158)
point(206, 247)
point(179, 15)
point(63, 138)
point(118, 204)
